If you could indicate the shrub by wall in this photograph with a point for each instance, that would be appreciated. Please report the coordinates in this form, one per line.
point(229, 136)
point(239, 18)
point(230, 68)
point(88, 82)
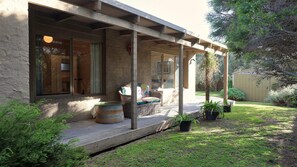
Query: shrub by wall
point(27, 140)
point(285, 96)
point(235, 94)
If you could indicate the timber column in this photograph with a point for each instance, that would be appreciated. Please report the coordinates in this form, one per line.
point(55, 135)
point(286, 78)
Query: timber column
point(226, 59)
point(181, 81)
point(134, 80)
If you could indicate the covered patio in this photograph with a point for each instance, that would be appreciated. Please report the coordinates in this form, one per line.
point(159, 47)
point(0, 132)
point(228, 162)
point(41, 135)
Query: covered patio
point(100, 137)
point(123, 41)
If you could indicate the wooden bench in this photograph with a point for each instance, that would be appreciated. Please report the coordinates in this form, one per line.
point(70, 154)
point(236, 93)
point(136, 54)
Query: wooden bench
point(142, 109)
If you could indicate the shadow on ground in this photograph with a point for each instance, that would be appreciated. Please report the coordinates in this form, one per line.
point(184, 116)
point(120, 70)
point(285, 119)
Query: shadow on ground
point(288, 147)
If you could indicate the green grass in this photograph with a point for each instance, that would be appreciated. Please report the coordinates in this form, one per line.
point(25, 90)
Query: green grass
point(251, 135)
point(212, 94)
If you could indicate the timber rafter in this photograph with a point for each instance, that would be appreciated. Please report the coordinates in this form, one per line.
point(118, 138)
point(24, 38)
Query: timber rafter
point(128, 23)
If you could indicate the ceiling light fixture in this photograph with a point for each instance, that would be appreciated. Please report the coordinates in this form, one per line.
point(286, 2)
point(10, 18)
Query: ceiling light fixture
point(48, 39)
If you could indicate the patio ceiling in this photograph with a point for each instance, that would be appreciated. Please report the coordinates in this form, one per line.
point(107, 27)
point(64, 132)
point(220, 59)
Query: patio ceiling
point(94, 15)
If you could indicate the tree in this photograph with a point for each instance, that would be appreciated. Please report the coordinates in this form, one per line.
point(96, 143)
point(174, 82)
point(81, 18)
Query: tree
point(210, 65)
point(265, 31)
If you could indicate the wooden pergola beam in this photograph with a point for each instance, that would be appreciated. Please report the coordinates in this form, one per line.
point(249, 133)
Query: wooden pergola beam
point(63, 17)
point(161, 28)
point(84, 12)
point(132, 19)
point(125, 33)
point(149, 38)
point(95, 5)
point(182, 36)
point(194, 41)
point(100, 26)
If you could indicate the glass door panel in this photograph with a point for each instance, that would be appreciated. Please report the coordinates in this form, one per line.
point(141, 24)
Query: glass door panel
point(81, 67)
point(52, 66)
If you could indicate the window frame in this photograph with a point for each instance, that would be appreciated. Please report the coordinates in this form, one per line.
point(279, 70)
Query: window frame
point(165, 72)
point(71, 70)
point(33, 83)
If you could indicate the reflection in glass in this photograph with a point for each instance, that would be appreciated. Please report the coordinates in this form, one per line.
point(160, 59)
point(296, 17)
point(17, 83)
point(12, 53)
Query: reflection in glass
point(50, 57)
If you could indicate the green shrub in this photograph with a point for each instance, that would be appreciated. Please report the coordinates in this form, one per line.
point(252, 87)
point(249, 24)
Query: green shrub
point(285, 96)
point(27, 140)
point(235, 94)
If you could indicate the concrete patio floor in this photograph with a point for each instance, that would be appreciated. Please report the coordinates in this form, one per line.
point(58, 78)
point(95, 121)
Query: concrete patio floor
point(99, 137)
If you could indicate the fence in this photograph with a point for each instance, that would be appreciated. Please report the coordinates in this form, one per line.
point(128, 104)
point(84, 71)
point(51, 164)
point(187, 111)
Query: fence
point(255, 91)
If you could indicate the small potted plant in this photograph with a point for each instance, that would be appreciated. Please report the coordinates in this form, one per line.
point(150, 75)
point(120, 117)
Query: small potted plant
point(185, 122)
point(211, 110)
point(226, 106)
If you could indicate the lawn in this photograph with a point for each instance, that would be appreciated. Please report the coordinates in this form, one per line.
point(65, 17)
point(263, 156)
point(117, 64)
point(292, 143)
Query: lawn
point(253, 134)
point(212, 94)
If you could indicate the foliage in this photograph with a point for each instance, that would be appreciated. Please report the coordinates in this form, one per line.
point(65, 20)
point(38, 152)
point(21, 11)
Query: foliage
point(27, 140)
point(213, 107)
point(217, 80)
point(185, 117)
point(210, 61)
point(243, 138)
point(235, 94)
point(262, 30)
point(285, 96)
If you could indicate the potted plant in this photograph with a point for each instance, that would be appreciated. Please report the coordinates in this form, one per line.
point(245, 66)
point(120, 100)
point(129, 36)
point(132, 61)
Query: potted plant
point(211, 110)
point(226, 106)
point(185, 122)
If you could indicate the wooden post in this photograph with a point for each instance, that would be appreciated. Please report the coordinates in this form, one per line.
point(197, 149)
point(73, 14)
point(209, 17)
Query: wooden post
point(207, 81)
point(174, 76)
point(226, 76)
point(134, 80)
point(181, 81)
point(162, 71)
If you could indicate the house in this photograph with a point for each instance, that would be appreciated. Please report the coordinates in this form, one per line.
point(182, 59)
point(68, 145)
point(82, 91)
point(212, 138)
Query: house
point(74, 53)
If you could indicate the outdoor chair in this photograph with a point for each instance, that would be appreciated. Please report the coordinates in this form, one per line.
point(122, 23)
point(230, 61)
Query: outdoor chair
point(148, 102)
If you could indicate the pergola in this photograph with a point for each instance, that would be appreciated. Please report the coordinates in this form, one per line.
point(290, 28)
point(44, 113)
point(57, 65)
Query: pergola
point(95, 15)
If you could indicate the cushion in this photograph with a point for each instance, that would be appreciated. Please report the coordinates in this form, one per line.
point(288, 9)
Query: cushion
point(150, 99)
point(144, 90)
point(127, 91)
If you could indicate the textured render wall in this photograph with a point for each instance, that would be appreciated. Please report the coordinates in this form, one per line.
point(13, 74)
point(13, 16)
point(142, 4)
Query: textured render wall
point(191, 81)
point(14, 50)
point(81, 108)
point(118, 64)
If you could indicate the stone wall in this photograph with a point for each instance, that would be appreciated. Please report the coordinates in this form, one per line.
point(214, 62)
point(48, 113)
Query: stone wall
point(14, 50)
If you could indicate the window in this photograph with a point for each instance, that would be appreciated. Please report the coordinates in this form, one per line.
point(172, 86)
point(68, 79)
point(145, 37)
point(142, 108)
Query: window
point(60, 70)
point(167, 65)
point(167, 80)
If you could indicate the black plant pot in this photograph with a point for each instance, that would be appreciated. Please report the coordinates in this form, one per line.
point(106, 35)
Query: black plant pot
point(211, 115)
point(227, 108)
point(185, 126)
